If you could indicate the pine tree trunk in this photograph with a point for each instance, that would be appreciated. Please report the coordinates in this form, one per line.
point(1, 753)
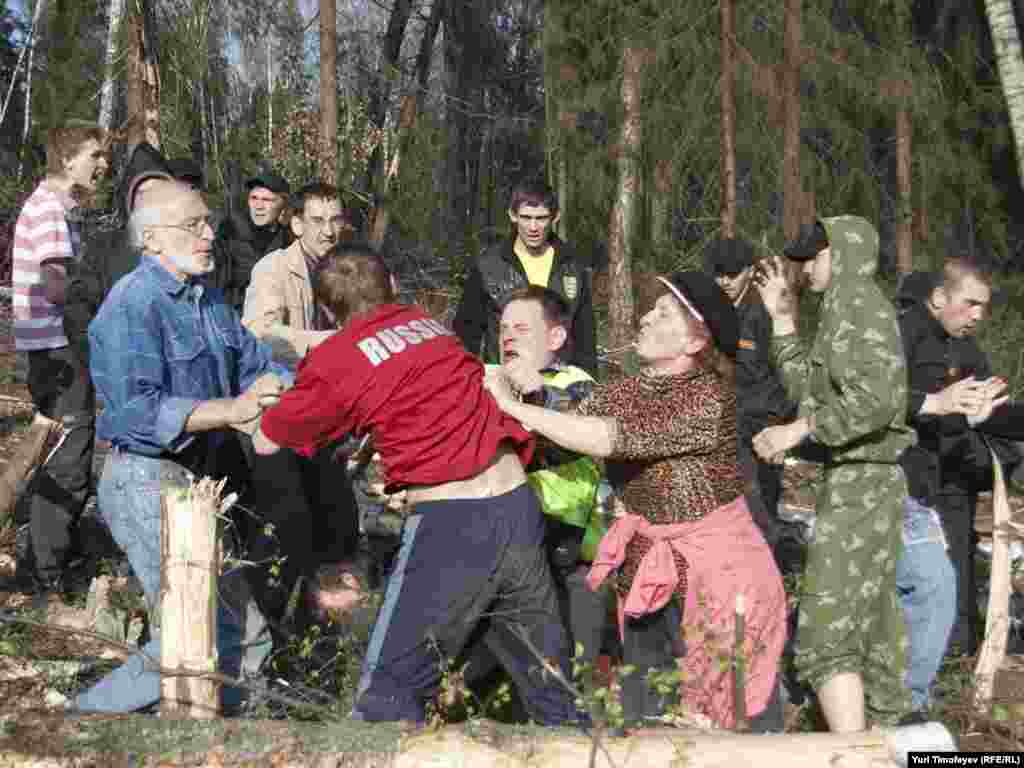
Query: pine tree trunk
point(728, 94)
point(115, 10)
point(1011, 68)
point(905, 214)
point(329, 91)
point(34, 35)
point(791, 187)
point(270, 97)
point(143, 91)
point(380, 88)
point(621, 230)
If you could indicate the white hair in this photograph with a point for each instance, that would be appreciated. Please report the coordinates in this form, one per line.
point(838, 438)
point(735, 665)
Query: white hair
point(141, 218)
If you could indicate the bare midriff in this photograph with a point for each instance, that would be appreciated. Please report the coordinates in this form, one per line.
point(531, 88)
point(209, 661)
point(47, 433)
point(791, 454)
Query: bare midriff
point(504, 473)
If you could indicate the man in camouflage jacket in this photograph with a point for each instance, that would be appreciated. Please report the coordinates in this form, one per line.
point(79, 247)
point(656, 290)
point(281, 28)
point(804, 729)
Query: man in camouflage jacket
point(851, 384)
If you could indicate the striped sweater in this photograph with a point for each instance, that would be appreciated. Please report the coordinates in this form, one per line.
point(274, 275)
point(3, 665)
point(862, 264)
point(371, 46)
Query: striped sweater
point(42, 233)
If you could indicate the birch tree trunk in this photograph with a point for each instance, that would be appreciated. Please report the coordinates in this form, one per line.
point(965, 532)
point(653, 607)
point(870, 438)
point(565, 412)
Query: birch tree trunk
point(621, 229)
point(1011, 68)
point(728, 94)
point(791, 186)
point(329, 91)
point(33, 35)
point(115, 10)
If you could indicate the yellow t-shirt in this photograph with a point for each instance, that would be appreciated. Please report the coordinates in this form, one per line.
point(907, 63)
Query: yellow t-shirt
point(538, 268)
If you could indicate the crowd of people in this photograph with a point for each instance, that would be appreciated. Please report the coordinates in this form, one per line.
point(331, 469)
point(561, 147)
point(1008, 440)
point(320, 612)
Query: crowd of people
point(550, 516)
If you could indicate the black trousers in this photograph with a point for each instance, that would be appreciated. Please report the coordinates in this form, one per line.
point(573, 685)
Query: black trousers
point(957, 513)
point(61, 389)
point(765, 483)
point(463, 562)
point(304, 515)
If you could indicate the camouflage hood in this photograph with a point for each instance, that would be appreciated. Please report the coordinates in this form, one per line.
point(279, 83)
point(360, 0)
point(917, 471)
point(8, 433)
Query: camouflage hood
point(853, 378)
point(854, 245)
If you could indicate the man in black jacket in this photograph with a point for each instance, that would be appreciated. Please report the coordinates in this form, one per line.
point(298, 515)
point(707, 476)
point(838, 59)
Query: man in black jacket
point(950, 377)
point(245, 238)
point(761, 400)
point(533, 256)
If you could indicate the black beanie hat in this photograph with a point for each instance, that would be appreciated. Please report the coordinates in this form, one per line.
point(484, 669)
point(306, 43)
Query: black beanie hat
point(728, 256)
point(701, 295)
point(811, 241)
point(269, 179)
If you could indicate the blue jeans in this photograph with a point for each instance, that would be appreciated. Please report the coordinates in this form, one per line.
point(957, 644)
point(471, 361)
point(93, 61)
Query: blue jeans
point(129, 500)
point(926, 583)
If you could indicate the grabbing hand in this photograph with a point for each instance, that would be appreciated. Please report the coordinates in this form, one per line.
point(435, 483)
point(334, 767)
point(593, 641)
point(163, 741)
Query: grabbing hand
point(261, 394)
point(522, 377)
point(498, 385)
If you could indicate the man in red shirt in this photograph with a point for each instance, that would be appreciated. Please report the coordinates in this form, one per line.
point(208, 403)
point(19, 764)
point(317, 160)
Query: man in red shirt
point(472, 549)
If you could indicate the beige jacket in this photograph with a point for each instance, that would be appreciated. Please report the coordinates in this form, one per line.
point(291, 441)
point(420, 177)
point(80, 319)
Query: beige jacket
point(279, 305)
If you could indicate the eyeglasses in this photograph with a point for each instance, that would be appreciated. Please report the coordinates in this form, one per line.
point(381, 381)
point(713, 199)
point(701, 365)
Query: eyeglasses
point(196, 226)
point(335, 223)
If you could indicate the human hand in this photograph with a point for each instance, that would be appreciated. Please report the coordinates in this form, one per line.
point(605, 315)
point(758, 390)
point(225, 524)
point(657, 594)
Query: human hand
point(992, 395)
point(776, 292)
point(261, 394)
point(498, 385)
point(771, 443)
point(964, 396)
point(521, 376)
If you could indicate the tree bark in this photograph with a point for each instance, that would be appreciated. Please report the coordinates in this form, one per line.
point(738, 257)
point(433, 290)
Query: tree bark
point(621, 230)
point(115, 10)
point(728, 96)
point(1011, 68)
point(143, 91)
point(791, 186)
point(905, 213)
point(329, 91)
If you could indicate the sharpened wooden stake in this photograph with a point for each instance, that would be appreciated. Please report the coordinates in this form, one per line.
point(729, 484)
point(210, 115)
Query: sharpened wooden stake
point(190, 562)
point(740, 666)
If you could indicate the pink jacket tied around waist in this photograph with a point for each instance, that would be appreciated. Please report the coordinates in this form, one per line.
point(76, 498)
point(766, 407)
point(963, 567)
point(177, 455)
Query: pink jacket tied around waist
point(728, 557)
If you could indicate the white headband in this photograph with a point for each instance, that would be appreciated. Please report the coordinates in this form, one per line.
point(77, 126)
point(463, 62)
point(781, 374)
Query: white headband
point(679, 295)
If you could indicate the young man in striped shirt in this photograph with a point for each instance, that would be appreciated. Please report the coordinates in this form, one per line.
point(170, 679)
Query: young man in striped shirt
point(46, 244)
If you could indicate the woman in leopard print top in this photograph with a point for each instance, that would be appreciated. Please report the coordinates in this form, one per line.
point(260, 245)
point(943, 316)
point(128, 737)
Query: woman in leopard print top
point(687, 538)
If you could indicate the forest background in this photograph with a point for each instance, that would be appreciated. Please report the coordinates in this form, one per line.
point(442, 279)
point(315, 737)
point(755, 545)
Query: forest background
point(661, 124)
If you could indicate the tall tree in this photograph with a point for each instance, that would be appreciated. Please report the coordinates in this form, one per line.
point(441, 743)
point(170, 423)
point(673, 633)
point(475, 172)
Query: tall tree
point(728, 97)
point(622, 227)
point(1006, 39)
point(329, 91)
point(33, 36)
point(115, 10)
point(143, 87)
point(791, 184)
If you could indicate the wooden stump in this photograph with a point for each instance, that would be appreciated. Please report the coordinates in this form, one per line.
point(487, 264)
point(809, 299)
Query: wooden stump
point(44, 437)
point(190, 562)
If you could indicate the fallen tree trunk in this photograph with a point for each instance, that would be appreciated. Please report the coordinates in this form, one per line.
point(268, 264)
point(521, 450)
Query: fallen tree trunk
point(44, 437)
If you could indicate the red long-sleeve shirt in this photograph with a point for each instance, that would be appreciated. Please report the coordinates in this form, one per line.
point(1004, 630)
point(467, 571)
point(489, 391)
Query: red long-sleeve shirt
point(403, 377)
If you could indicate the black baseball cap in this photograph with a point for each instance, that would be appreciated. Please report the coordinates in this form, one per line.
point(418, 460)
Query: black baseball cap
point(271, 180)
point(728, 256)
point(186, 169)
point(701, 295)
point(811, 241)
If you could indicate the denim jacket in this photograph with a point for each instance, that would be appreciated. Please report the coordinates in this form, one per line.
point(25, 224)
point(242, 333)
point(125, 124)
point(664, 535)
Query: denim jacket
point(158, 348)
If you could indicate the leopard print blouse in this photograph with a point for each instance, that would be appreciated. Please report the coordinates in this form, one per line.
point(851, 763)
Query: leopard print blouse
point(674, 454)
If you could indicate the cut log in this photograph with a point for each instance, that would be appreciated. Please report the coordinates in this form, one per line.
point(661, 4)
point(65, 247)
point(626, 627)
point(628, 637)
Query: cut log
point(190, 562)
point(694, 749)
point(43, 439)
